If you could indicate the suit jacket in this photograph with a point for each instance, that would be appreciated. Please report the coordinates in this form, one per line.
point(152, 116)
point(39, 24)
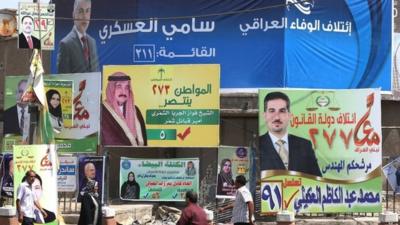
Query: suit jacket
point(301, 155)
point(23, 43)
point(11, 123)
point(70, 57)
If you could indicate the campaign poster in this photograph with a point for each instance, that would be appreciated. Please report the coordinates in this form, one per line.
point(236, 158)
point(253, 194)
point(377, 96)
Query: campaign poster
point(392, 174)
point(67, 174)
point(336, 44)
point(232, 162)
point(78, 99)
point(158, 179)
point(7, 179)
point(42, 159)
point(36, 25)
point(59, 93)
point(161, 105)
point(91, 167)
point(330, 160)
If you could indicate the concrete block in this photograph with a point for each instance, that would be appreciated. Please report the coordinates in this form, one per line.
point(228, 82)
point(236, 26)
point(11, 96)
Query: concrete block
point(285, 216)
point(108, 211)
point(210, 214)
point(8, 211)
point(388, 217)
point(8, 215)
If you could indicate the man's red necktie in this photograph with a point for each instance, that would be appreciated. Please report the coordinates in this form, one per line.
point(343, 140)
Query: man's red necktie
point(85, 48)
point(30, 43)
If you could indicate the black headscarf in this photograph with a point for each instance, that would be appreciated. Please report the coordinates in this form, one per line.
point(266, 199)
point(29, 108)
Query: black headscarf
point(54, 111)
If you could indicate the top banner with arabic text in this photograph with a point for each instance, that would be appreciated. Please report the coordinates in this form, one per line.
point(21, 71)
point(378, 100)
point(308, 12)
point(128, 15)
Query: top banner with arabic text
point(161, 105)
point(275, 43)
point(342, 128)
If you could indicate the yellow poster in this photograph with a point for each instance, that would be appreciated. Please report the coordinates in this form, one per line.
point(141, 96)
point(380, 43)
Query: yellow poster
point(161, 105)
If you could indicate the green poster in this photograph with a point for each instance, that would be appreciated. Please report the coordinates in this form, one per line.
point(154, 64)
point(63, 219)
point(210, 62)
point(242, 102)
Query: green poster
point(42, 160)
point(78, 102)
point(158, 179)
point(334, 142)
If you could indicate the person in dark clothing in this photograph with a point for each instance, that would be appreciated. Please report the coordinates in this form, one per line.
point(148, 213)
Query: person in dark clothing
point(398, 178)
point(130, 189)
point(90, 213)
point(193, 214)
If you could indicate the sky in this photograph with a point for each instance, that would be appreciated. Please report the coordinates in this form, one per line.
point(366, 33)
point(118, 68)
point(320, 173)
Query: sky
point(13, 4)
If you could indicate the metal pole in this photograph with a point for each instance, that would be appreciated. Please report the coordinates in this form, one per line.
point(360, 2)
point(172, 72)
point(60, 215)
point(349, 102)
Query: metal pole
point(394, 201)
point(387, 194)
point(33, 124)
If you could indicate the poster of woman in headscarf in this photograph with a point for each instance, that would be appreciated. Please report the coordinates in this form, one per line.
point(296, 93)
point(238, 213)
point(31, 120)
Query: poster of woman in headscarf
point(233, 161)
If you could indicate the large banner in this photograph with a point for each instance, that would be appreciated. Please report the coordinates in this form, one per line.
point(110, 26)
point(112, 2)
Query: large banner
point(74, 106)
point(232, 162)
point(333, 150)
point(276, 43)
point(91, 167)
point(161, 105)
point(42, 160)
point(158, 179)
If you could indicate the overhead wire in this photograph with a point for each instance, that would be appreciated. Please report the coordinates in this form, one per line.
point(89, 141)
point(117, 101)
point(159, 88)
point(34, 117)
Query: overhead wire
point(293, 2)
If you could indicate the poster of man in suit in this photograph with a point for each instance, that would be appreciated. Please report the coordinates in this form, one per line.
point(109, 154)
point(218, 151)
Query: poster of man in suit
point(299, 154)
point(36, 24)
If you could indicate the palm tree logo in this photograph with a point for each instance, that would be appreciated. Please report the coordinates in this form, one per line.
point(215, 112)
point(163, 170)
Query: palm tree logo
point(161, 72)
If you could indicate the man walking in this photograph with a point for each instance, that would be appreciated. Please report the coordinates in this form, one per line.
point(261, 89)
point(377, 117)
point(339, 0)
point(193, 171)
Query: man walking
point(26, 200)
point(243, 207)
point(193, 213)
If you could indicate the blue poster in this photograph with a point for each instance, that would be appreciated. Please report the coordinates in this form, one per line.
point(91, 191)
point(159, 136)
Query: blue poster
point(276, 43)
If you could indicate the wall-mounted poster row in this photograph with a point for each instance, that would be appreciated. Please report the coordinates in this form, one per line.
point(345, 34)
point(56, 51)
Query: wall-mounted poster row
point(321, 150)
point(73, 172)
point(155, 106)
